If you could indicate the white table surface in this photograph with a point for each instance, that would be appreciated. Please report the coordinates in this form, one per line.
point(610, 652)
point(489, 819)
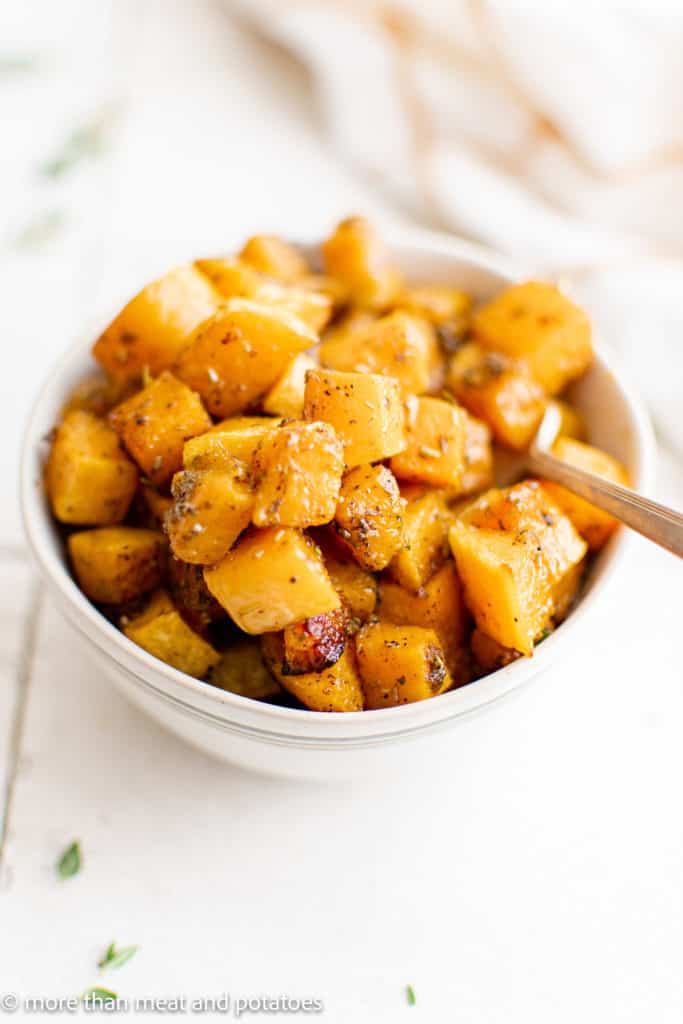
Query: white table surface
point(532, 874)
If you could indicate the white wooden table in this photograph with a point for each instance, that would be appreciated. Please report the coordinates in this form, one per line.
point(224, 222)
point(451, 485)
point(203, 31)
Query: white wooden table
point(532, 875)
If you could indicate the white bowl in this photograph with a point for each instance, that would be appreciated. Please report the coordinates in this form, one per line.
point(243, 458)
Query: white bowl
point(316, 745)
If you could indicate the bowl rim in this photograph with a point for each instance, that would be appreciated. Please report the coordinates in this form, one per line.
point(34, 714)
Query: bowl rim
point(374, 725)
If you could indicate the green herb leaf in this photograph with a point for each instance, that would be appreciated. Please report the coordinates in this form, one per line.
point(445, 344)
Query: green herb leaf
point(114, 957)
point(95, 994)
point(544, 636)
point(410, 995)
point(69, 863)
point(87, 142)
point(43, 228)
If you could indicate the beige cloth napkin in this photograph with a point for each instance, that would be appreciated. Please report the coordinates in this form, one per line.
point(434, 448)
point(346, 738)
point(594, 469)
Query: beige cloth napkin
point(553, 133)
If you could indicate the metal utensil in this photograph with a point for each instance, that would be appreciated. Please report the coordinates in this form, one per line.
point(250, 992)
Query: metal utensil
point(656, 522)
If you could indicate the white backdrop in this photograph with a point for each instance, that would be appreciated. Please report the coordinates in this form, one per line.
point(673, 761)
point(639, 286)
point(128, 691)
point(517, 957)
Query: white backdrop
point(533, 875)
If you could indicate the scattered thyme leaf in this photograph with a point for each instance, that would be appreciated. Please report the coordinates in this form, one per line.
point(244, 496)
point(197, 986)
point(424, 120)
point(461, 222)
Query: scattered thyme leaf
point(114, 957)
point(410, 995)
point(85, 143)
point(96, 994)
point(44, 228)
point(69, 864)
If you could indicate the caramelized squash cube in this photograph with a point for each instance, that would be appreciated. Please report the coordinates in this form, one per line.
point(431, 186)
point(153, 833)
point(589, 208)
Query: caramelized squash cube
point(270, 579)
point(439, 605)
point(234, 438)
point(369, 515)
point(152, 507)
point(114, 564)
point(90, 480)
point(336, 688)
point(398, 345)
point(515, 551)
point(239, 354)
point(435, 449)
point(211, 508)
point(163, 632)
point(365, 410)
point(274, 257)
point(355, 254)
point(156, 325)
point(155, 424)
point(426, 521)
point(286, 398)
point(595, 526)
point(489, 654)
point(242, 670)
point(535, 323)
point(572, 423)
point(297, 474)
point(400, 664)
point(499, 391)
point(316, 643)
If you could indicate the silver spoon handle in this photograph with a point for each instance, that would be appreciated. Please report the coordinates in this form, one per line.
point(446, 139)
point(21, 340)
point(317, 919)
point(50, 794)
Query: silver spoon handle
point(657, 522)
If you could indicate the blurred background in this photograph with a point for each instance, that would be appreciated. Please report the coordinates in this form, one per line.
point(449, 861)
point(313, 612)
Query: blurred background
point(140, 133)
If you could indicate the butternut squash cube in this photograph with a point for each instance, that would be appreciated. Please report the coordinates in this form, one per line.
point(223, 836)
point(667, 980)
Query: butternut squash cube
point(498, 391)
point(155, 424)
point(355, 254)
point(398, 345)
point(211, 508)
point(191, 595)
point(595, 526)
point(400, 664)
point(364, 409)
point(89, 479)
point(270, 579)
point(163, 632)
point(438, 605)
point(114, 564)
point(234, 438)
point(426, 521)
point(297, 473)
point(286, 398)
point(356, 587)
point(315, 643)
point(336, 688)
point(535, 323)
point(369, 515)
point(515, 550)
point(435, 449)
point(152, 507)
point(478, 472)
point(311, 307)
point(242, 670)
point(237, 355)
point(156, 325)
point(438, 303)
point(97, 394)
point(274, 257)
point(231, 277)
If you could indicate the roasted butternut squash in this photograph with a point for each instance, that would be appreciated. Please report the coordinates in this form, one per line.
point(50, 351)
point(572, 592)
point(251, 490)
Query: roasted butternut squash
point(234, 438)
point(369, 515)
point(163, 632)
point(238, 355)
point(536, 324)
point(424, 547)
point(438, 605)
point(210, 510)
point(155, 325)
point(270, 579)
point(115, 564)
point(90, 480)
point(286, 397)
point(435, 444)
point(297, 472)
point(355, 255)
point(315, 643)
point(274, 257)
point(364, 409)
point(155, 423)
point(495, 389)
point(336, 688)
point(400, 664)
point(242, 670)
